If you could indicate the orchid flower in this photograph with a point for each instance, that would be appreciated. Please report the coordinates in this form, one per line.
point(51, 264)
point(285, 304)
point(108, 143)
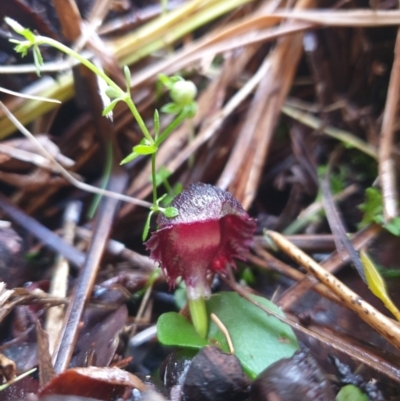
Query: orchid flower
point(210, 231)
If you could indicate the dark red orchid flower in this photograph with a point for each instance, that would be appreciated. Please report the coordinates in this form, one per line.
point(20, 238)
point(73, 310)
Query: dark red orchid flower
point(212, 229)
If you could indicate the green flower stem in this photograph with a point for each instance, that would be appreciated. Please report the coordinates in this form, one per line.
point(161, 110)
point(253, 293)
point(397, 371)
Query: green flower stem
point(178, 120)
point(198, 314)
point(138, 118)
point(153, 177)
point(43, 40)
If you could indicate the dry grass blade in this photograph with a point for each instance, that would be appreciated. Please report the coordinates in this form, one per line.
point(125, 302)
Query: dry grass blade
point(26, 96)
point(59, 280)
point(387, 168)
point(258, 129)
point(346, 137)
point(337, 227)
point(388, 328)
point(61, 170)
point(332, 264)
point(350, 18)
point(266, 261)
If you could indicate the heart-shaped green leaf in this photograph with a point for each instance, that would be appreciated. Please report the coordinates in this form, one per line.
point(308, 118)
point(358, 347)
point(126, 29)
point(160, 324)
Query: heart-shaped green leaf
point(258, 339)
point(174, 329)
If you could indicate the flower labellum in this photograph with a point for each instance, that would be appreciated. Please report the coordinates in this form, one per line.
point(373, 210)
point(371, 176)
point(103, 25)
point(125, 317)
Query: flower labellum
point(211, 229)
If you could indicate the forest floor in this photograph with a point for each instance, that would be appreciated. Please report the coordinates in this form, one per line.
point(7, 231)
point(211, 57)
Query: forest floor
point(293, 112)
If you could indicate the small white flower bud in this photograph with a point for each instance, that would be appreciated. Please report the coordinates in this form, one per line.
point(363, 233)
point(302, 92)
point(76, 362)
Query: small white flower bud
point(183, 92)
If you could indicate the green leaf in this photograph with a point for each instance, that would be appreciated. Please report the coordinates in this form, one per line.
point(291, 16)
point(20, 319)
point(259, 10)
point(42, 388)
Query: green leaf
point(248, 276)
point(14, 25)
point(147, 226)
point(259, 339)
point(372, 206)
point(112, 92)
point(171, 212)
point(25, 32)
point(174, 330)
point(393, 226)
point(161, 175)
point(161, 198)
point(110, 107)
point(376, 284)
point(171, 108)
point(165, 80)
point(129, 158)
point(191, 109)
point(37, 59)
point(127, 74)
point(139, 150)
point(20, 48)
point(169, 81)
point(351, 393)
point(145, 149)
point(156, 120)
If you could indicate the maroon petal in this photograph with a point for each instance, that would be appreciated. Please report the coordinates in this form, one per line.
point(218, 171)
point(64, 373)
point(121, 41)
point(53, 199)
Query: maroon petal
point(210, 231)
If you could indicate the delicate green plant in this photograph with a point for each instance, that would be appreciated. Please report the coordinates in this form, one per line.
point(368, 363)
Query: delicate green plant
point(373, 212)
point(183, 104)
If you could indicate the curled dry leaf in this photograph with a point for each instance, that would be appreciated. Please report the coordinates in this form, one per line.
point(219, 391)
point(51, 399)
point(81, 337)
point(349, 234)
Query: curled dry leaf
point(8, 369)
point(94, 382)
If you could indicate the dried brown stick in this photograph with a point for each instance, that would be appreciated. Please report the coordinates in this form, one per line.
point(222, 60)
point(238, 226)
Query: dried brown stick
point(59, 280)
point(332, 264)
point(257, 132)
point(89, 270)
point(41, 232)
point(387, 172)
point(387, 327)
point(118, 180)
point(337, 227)
point(117, 248)
point(289, 48)
point(306, 242)
point(70, 18)
point(268, 262)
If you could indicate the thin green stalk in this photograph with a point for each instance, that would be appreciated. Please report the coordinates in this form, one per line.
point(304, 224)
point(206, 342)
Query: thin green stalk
point(153, 177)
point(124, 96)
point(167, 186)
point(178, 120)
point(44, 40)
point(198, 313)
point(139, 119)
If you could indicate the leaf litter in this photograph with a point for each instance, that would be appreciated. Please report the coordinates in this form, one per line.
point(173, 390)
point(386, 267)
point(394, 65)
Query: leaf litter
point(246, 58)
